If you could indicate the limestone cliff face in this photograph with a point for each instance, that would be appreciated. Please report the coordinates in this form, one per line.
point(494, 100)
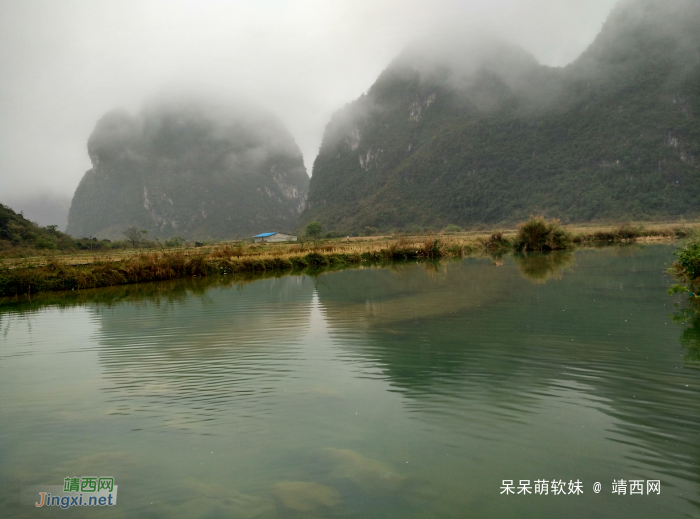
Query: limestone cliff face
point(476, 132)
point(189, 169)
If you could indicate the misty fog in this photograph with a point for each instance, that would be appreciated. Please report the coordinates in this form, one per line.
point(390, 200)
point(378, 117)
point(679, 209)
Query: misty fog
point(63, 65)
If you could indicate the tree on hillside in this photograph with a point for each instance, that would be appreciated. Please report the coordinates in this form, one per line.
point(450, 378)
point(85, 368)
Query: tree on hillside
point(313, 229)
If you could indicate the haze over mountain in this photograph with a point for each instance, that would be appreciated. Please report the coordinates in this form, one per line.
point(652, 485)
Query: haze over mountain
point(189, 168)
point(473, 130)
point(64, 64)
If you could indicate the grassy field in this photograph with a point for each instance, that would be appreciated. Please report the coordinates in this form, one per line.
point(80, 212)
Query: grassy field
point(476, 240)
point(44, 272)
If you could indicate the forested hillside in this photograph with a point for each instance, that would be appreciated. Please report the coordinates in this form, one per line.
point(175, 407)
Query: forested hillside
point(475, 131)
point(17, 232)
point(189, 168)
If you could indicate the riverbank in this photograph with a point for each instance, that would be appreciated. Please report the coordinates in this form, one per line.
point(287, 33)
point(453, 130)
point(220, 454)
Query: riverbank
point(21, 276)
point(56, 274)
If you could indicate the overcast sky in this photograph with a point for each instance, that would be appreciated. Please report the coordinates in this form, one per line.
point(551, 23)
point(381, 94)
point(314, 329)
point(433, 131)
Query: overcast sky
point(63, 64)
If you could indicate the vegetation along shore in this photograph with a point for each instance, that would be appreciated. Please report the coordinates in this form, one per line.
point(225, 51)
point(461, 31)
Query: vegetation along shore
point(686, 269)
point(71, 269)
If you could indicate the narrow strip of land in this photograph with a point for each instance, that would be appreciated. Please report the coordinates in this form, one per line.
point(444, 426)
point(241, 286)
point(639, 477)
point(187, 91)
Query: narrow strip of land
point(42, 273)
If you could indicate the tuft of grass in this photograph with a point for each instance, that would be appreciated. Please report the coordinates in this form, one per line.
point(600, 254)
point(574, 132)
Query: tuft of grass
point(496, 242)
point(432, 248)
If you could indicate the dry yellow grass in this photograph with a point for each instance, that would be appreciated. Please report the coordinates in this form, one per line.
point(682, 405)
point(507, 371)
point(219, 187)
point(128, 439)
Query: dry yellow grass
point(79, 271)
point(469, 240)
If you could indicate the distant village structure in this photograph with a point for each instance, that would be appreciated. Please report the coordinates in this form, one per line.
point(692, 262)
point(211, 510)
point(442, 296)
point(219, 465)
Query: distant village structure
point(272, 237)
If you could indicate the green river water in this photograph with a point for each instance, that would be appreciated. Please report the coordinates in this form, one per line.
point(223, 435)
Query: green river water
point(410, 391)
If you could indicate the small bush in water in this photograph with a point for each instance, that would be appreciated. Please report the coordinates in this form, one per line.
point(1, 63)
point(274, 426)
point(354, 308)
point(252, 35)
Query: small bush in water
point(686, 268)
point(539, 234)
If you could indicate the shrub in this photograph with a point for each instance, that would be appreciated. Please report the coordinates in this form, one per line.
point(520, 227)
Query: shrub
point(44, 243)
point(453, 228)
point(431, 248)
point(177, 241)
point(538, 234)
point(687, 265)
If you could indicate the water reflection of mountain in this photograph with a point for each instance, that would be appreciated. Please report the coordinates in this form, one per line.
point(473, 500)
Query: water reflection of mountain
point(484, 342)
point(386, 297)
point(200, 354)
point(397, 308)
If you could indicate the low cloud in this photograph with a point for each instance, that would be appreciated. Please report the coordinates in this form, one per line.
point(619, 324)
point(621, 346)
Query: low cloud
point(65, 64)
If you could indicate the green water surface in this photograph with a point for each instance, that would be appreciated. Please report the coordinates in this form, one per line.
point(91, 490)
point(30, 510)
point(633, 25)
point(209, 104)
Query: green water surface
point(403, 392)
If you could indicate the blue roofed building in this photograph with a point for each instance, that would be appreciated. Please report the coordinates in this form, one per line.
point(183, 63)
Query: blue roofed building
point(271, 237)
